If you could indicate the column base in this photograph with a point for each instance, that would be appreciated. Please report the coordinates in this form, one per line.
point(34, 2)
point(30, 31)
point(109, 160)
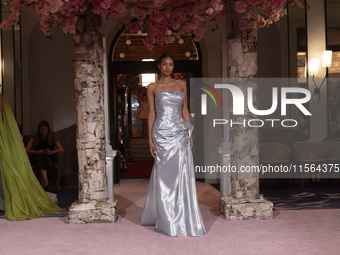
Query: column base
point(100, 211)
point(246, 209)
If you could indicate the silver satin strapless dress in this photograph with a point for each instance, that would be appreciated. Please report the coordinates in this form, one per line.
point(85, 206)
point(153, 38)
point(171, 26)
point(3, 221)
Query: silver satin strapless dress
point(171, 204)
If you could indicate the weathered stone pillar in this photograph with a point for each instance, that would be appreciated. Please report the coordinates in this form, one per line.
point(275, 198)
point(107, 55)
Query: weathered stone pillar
point(244, 202)
point(93, 204)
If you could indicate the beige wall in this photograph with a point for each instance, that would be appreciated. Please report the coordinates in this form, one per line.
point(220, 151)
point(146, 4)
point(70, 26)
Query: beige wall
point(316, 40)
point(48, 91)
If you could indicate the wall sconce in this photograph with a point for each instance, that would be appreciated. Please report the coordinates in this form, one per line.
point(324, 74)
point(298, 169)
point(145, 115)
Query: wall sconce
point(314, 68)
point(327, 58)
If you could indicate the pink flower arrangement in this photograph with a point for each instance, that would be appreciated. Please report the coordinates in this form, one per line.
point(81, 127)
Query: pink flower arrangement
point(155, 17)
point(273, 9)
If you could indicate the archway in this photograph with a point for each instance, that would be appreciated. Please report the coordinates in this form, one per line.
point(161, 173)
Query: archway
point(125, 58)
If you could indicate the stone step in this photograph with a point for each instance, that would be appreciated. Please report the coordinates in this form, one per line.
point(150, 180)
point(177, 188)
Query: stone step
point(143, 158)
point(139, 141)
point(140, 146)
point(144, 152)
point(140, 149)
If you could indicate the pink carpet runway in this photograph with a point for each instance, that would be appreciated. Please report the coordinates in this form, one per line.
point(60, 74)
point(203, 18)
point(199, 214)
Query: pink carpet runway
point(290, 232)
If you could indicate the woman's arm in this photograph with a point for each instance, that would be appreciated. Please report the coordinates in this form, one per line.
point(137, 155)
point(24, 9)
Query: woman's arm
point(185, 111)
point(151, 116)
point(60, 148)
point(29, 146)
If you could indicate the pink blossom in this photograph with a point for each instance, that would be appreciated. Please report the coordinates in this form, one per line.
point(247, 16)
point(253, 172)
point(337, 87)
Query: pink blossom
point(300, 5)
point(283, 12)
point(210, 11)
point(260, 21)
point(269, 21)
point(170, 39)
point(276, 17)
point(182, 17)
point(240, 6)
point(248, 14)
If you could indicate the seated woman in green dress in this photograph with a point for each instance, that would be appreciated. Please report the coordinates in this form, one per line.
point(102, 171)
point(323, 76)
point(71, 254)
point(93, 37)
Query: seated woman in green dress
point(24, 199)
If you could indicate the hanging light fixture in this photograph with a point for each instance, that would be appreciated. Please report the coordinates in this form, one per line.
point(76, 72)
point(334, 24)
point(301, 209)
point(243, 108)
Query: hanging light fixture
point(327, 62)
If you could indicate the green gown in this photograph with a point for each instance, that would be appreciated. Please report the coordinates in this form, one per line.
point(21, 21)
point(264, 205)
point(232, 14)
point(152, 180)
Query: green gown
point(25, 199)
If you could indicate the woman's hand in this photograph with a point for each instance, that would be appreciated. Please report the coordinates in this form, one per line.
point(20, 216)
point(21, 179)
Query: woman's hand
point(191, 142)
point(49, 152)
point(152, 149)
point(41, 152)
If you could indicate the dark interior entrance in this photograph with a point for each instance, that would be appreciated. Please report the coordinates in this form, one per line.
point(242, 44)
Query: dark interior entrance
point(126, 54)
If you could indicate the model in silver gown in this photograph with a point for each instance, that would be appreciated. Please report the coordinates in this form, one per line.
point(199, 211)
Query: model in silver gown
point(171, 204)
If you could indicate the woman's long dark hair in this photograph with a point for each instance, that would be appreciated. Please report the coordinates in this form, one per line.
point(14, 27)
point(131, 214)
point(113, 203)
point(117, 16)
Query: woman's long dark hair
point(50, 138)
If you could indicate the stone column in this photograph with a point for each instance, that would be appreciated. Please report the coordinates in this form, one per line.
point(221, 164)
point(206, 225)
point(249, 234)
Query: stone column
point(244, 202)
point(110, 153)
point(224, 148)
point(93, 204)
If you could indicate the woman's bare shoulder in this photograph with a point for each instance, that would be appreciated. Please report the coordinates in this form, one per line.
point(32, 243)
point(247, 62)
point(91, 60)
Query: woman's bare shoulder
point(181, 83)
point(152, 86)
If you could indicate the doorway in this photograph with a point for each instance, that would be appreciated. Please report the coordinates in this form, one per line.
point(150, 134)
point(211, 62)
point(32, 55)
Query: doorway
point(129, 60)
